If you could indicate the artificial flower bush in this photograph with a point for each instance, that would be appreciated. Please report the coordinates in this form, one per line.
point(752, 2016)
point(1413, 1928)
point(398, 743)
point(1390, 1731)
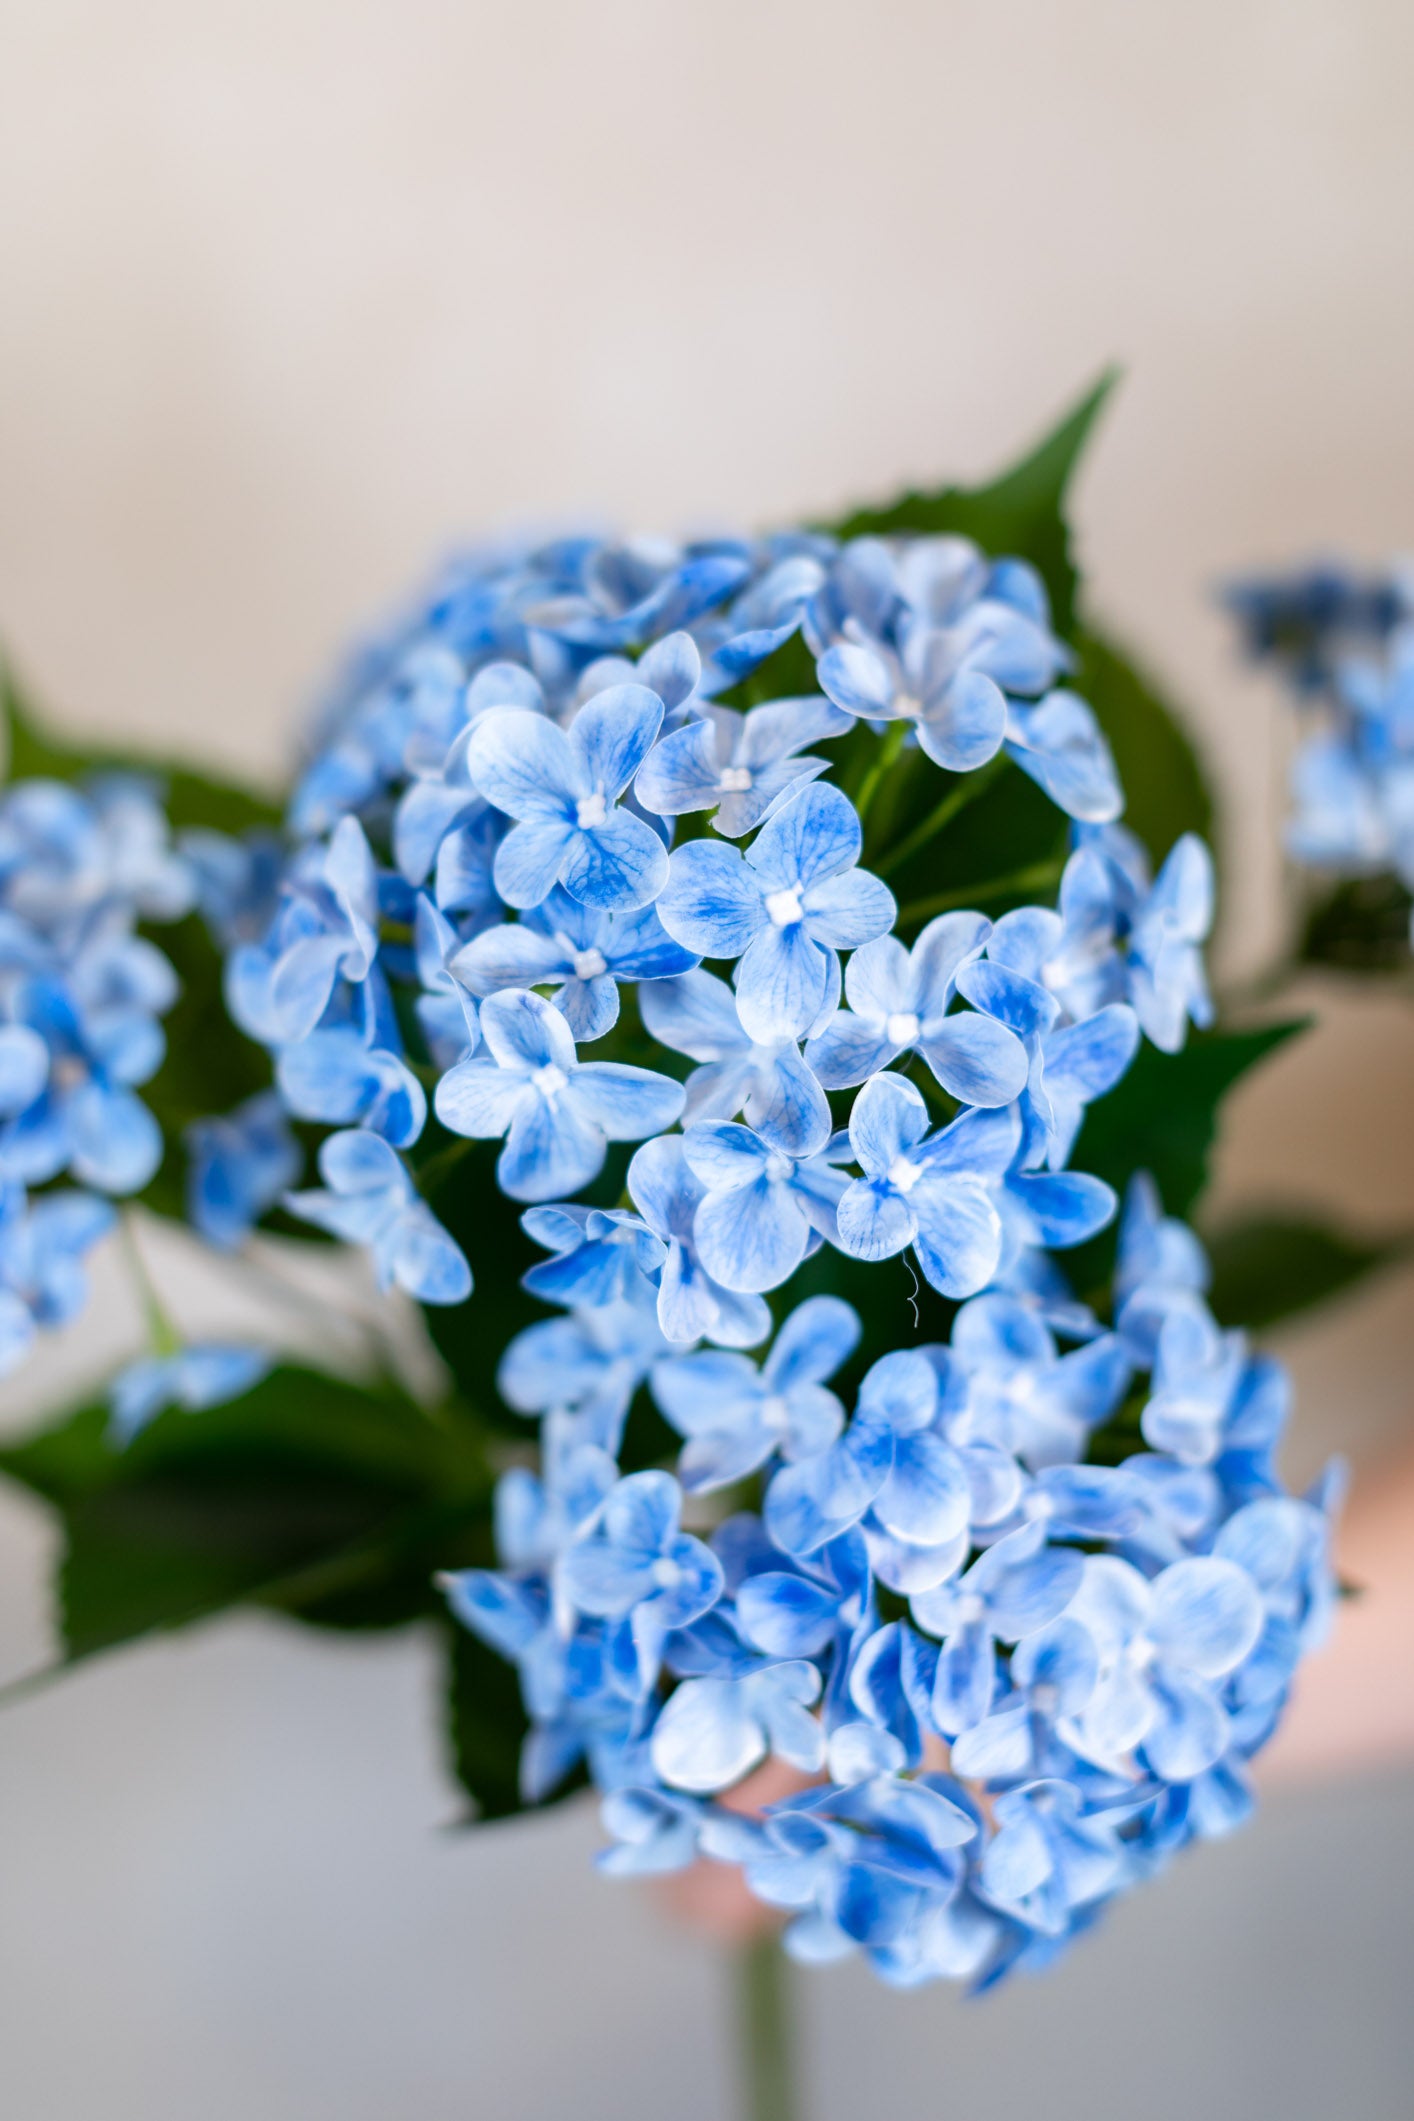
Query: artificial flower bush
point(726, 986)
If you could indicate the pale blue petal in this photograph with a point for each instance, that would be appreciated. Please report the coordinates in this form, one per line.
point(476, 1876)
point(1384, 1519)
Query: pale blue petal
point(848, 910)
point(621, 864)
point(682, 772)
point(857, 680)
point(976, 1059)
point(813, 836)
point(522, 1031)
point(479, 1100)
point(783, 984)
point(850, 1048)
point(1207, 1614)
point(523, 764)
point(711, 902)
point(695, 1014)
point(959, 1239)
point(751, 1240)
point(966, 728)
point(612, 735)
point(530, 858)
point(552, 1148)
point(627, 1103)
point(888, 1120)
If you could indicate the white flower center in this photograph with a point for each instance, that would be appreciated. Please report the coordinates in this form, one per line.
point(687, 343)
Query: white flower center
point(735, 780)
point(666, 1574)
point(775, 1412)
point(778, 1167)
point(904, 1176)
point(549, 1080)
point(591, 810)
point(970, 1609)
point(901, 1029)
point(589, 964)
point(784, 906)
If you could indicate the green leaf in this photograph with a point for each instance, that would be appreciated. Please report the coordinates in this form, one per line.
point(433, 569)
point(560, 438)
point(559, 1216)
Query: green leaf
point(1018, 515)
point(485, 1724)
point(330, 1501)
point(1163, 1116)
point(1269, 1267)
point(1361, 925)
point(1165, 791)
point(32, 750)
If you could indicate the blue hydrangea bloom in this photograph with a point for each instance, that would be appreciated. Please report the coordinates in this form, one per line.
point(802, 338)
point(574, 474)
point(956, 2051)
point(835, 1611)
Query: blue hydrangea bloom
point(558, 1113)
point(784, 909)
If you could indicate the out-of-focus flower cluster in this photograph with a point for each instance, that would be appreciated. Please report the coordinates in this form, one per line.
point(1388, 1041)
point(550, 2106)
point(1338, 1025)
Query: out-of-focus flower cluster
point(82, 995)
point(1344, 642)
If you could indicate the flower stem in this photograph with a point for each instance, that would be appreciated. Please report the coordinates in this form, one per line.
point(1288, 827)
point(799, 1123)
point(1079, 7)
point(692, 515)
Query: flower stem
point(764, 2031)
point(957, 798)
point(1038, 877)
point(890, 745)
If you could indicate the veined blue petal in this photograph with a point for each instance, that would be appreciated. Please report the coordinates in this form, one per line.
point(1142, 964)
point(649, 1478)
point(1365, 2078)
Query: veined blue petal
point(612, 735)
point(523, 763)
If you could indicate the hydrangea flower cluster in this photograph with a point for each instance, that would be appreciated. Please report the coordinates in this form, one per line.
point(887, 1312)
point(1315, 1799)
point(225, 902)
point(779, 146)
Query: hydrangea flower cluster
point(82, 995)
point(1019, 1608)
point(1345, 644)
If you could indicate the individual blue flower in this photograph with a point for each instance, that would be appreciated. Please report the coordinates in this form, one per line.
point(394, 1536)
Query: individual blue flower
point(766, 614)
point(558, 1113)
point(601, 1255)
point(1159, 1265)
point(237, 1168)
point(1061, 745)
point(1197, 1370)
point(588, 1365)
point(370, 1199)
point(765, 1207)
point(441, 796)
point(655, 1832)
point(577, 949)
point(772, 1085)
point(1048, 1861)
point(931, 1192)
point(237, 881)
point(735, 1416)
point(1163, 1645)
point(899, 1001)
point(563, 788)
point(350, 1071)
point(1013, 1589)
point(1022, 1393)
point(711, 1732)
point(446, 1012)
point(785, 909)
point(737, 765)
point(43, 1247)
point(194, 1378)
point(892, 1466)
point(635, 1563)
point(923, 643)
point(1167, 982)
point(70, 856)
point(691, 1305)
point(326, 931)
point(87, 1118)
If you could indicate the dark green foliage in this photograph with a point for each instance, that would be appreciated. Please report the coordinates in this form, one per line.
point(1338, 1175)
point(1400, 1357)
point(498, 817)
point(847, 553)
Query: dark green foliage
point(1360, 926)
point(1165, 791)
point(331, 1501)
point(1269, 1267)
point(1163, 1116)
point(1019, 514)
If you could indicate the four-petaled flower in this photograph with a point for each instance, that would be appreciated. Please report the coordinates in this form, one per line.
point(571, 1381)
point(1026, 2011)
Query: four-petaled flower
point(564, 788)
point(735, 1416)
point(738, 765)
point(557, 1112)
point(932, 1193)
point(579, 950)
point(785, 909)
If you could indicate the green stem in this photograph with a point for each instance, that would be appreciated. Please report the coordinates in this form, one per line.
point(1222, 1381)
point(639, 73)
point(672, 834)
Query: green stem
point(162, 1335)
point(764, 2031)
point(890, 745)
point(1037, 878)
point(956, 799)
